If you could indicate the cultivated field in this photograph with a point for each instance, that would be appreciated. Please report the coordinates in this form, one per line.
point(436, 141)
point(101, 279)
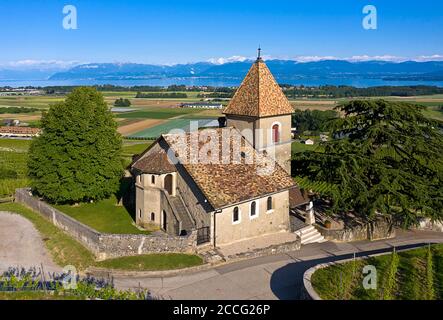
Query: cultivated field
point(149, 118)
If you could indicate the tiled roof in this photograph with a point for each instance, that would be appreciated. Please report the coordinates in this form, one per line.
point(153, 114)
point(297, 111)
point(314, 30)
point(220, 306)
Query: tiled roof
point(20, 130)
point(259, 95)
point(233, 179)
point(155, 161)
point(298, 198)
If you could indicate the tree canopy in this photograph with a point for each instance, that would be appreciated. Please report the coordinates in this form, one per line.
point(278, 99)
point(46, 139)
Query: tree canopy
point(315, 120)
point(120, 102)
point(77, 157)
point(385, 157)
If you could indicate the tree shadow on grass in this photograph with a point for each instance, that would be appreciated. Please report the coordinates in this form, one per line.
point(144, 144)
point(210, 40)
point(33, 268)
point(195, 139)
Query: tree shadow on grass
point(126, 195)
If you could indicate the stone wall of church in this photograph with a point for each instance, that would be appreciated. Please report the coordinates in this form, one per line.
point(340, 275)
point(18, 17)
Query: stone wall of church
point(104, 245)
point(265, 222)
point(281, 151)
point(193, 199)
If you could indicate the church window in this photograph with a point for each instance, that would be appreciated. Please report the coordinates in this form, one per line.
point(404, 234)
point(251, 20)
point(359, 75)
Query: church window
point(236, 215)
point(269, 204)
point(276, 133)
point(253, 212)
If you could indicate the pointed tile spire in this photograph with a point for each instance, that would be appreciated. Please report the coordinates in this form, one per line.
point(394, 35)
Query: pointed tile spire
point(259, 95)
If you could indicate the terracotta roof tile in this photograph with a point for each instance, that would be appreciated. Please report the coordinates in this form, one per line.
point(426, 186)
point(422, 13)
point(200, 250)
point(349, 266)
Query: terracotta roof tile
point(20, 130)
point(235, 179)
point(155, 161)
point(259, 95)
point(297, 198)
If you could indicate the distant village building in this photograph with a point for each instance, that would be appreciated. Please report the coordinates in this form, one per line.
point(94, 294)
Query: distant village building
point(19, 132)
point(230, 201)
point(309, 142)
point(11, 122)
point(324, 137)
point(202, 105)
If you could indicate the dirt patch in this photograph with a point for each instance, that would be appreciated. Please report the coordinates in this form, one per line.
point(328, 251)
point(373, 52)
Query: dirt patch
point(139, 126)
point(21, 244)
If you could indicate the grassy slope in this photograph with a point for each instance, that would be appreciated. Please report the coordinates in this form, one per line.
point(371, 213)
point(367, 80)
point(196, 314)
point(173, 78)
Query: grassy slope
point(166, 261)
point(410, 279)
point(67, 251)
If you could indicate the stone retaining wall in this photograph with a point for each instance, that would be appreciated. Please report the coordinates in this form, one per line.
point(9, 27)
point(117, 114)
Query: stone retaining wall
point(104, 245)
point(375, 231)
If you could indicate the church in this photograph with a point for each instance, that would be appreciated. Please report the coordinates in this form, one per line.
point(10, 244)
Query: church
point(244, 190)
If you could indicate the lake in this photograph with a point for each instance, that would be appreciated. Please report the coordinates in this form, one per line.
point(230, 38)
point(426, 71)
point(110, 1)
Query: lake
point(218, 82)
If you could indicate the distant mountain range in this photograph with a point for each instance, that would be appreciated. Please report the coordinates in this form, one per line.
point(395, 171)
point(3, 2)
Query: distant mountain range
point(282, 69)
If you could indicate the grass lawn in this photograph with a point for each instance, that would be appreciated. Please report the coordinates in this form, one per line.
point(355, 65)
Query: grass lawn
point(104, 216)
point(298, 147)
point(165, 261)
point(131, 148)
point(412, 275)
point(67, 251)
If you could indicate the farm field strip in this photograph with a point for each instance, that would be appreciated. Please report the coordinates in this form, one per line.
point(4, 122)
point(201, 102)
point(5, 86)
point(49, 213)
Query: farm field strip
point(158, 130)
point(131, 128)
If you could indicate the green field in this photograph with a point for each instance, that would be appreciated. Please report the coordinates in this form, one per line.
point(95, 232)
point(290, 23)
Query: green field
point(409, 275)
point(165, 113)
point(165, 128)
point(13, 165)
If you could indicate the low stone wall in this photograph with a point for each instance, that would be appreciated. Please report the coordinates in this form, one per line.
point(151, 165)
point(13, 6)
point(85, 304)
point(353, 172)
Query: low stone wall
point(375, 231)
point(271, 250)
point(103, 245)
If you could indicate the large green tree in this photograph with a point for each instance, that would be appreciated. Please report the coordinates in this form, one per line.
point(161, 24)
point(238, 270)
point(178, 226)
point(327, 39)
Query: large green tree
point(385, 158)
point(77, 157)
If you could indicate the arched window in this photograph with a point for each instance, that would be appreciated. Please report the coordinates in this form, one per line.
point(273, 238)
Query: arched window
point(152, 216)
point(140, 213)
point(236, 215)
point(253, 212)
point(153, 179)
point(276, 133)
point(269, 204)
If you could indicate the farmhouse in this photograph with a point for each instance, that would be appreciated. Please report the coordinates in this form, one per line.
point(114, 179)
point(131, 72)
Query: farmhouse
point(230, 183)
point(19, 132)
point(202, 105)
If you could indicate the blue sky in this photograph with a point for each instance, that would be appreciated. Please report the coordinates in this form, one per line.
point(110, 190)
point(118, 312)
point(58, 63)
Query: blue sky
point(166, 32)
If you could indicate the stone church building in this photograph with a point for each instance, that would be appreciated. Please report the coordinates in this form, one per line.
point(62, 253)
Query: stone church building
point(243, 192)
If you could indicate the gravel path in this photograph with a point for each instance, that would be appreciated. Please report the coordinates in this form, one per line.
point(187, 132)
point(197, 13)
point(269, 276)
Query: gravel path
point(21, 244)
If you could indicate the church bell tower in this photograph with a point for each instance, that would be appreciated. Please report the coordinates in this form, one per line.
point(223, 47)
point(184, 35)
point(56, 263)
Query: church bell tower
point(260, 106)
